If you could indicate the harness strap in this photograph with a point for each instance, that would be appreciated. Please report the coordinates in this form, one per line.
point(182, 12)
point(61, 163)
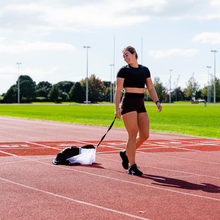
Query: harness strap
point(106, 132)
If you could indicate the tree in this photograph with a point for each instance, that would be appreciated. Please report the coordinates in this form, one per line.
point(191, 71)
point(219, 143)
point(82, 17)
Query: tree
point(217, 89)
point(64, 96)
point(107, 91)
point(95, 87)
point(11, 95)
point(77, 94)
point(204, 93)
point(27, 88)
point(160, 89)
point(65, 86)
point(42, 93)
point(198, 94)
point(43, 88)
point(54, 93)
point(192, 87)
point(177, 94)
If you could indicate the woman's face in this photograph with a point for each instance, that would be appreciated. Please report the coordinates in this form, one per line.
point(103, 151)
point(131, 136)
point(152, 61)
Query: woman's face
point(129, 58)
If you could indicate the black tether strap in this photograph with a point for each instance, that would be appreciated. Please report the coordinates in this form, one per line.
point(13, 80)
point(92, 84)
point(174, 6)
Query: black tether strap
point(106, 132)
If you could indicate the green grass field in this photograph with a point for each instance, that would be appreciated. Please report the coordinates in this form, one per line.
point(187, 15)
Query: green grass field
point(195, 120)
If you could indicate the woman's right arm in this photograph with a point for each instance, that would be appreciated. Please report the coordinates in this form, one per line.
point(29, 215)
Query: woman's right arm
point(118, 89)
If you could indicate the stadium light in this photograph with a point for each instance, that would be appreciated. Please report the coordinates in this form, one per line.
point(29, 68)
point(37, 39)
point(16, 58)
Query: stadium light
point(111, 93)
point(208, 90)
point(170, 87)
point(18, 83)
point(142, 50)
point(87, 90)
point(214, 51)
point(114, 71)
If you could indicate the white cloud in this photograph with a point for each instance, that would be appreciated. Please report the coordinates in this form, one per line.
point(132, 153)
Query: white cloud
point(207, 37)
point(11, 73)
point(172, 52)
point(8, 73)
point(215, 3)
point(77, 15)
point(73, 17)
point(23, 46)
point(2, 39)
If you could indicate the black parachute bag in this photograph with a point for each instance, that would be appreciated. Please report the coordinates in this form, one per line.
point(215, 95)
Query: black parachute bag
point(83, 155)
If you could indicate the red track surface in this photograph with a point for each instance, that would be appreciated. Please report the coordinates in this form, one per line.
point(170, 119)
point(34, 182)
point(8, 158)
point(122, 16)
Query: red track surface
point(181, 175)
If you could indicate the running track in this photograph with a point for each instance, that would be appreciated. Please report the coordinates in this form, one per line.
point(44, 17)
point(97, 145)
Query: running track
point(181, 175)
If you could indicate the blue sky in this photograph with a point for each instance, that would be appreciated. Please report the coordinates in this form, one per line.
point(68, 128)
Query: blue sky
point(47, 37)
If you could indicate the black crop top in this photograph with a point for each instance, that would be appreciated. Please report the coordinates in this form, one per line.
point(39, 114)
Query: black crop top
point(134, 77)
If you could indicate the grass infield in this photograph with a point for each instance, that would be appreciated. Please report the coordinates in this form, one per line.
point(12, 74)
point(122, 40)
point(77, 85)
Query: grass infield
point(195, 120)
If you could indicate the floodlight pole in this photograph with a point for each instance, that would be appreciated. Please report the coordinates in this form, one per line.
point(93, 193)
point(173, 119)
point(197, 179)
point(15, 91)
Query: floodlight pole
point(87, 90)
point(214, 51)
point(18, 83)
point(208, 93)
point(113, 71)
point(142, 50)
point(111, 93)
point(170, 87)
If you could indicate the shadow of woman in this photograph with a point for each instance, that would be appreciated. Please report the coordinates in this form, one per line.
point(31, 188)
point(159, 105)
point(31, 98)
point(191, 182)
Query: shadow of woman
point(182, 184)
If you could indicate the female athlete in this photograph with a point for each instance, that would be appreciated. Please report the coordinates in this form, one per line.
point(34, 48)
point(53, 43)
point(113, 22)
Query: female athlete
point(133, 78)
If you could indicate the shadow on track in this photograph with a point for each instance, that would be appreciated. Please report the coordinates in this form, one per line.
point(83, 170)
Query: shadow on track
point(181, 184)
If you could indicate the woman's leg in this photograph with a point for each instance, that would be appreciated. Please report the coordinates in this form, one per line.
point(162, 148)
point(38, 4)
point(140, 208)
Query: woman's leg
point(143, 128)
point(131, 125)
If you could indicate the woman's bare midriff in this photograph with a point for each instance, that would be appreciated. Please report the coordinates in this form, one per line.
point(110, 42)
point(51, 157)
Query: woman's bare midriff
point(133, 90)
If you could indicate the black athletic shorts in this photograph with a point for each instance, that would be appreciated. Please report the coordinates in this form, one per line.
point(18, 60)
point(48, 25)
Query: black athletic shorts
point(133, 102)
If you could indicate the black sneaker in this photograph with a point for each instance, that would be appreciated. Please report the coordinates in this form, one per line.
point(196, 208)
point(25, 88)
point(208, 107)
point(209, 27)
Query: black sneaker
point(124, 159)
point(133, 170)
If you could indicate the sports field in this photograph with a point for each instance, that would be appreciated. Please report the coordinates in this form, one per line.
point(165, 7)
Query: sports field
point(195, 120)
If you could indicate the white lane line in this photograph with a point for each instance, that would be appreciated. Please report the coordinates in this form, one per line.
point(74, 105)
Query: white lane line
point(8, 153)
point(159, 188)
point(180, 176)
point(107, 152)
point(156, 154)
point(130, 182)
point(135, 183)
point(179, 171)
point(179, 158)
point(169, 170)
point(73, 200)
point(43, 145)
point(162, 155)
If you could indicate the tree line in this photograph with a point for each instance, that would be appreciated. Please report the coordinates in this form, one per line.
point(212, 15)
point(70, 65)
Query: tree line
point(98, 91)
point(44, 91)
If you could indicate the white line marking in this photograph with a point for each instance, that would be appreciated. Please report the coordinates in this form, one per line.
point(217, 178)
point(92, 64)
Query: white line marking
point(8, 153)
point(107, 152)
point(170, 170)
point(179, 171)
point(183, 176)
point(130, 182)
point(42, 145)
point(7, 146)
point(140, 152)
point(179, 158)
point(73, 200)
point(139, 184)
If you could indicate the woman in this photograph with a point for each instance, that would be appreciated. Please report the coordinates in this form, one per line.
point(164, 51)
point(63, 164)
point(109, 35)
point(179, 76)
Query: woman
point(133, 78)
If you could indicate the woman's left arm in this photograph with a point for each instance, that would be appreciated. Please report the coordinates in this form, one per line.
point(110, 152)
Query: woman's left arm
point(153, 93)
